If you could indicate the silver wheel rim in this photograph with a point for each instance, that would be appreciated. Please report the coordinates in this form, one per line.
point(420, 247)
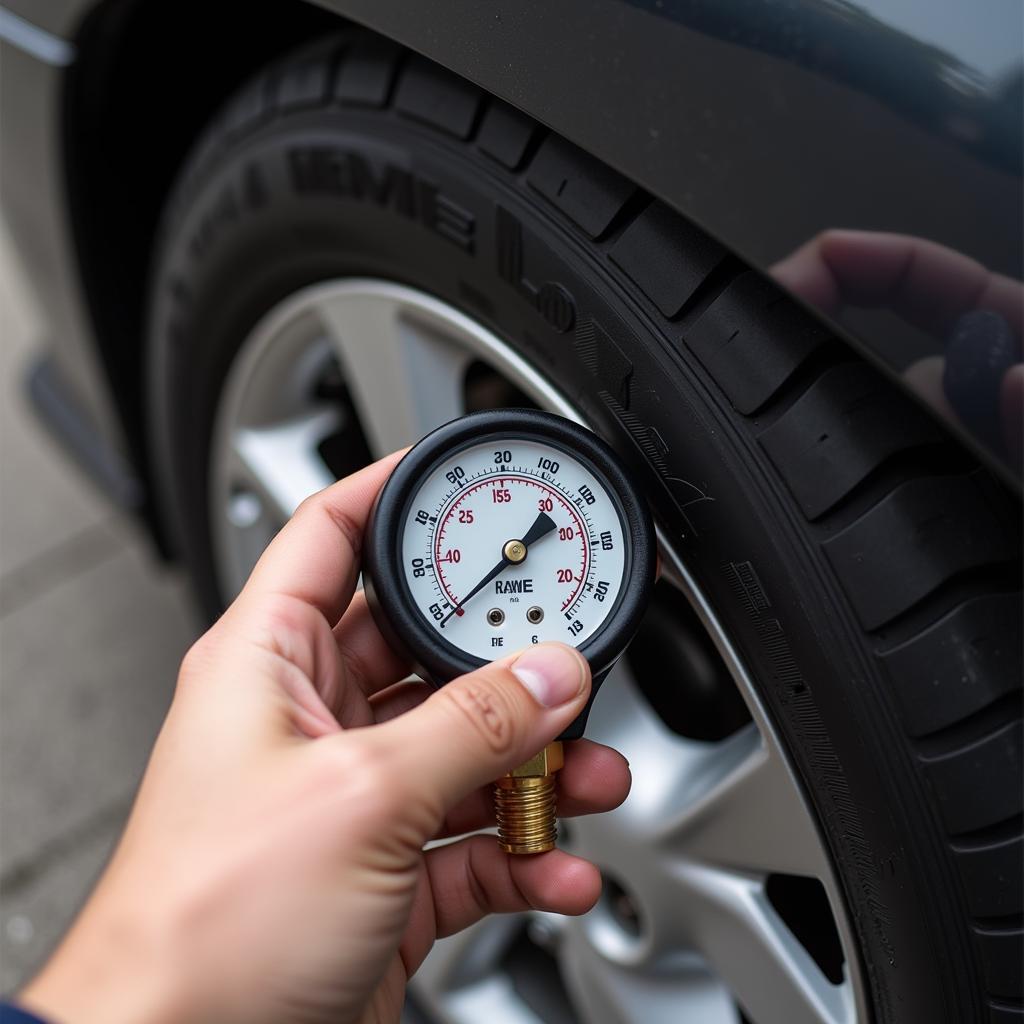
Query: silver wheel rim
point(707, 821)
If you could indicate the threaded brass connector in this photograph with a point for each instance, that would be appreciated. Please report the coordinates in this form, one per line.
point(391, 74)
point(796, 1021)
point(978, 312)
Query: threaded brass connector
point(524, 802)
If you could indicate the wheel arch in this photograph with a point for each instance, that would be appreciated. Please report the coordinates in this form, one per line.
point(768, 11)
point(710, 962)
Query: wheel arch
point(128, 120)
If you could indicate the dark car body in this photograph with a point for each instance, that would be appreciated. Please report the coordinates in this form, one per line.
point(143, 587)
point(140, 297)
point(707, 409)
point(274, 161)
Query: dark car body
point(767, 123)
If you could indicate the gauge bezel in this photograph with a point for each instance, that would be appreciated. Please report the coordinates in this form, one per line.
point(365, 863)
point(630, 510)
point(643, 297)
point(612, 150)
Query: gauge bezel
point(393, 606)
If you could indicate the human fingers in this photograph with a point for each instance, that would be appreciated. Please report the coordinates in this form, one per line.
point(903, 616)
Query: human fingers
point(371, 662)
point(925, 376)
point(474, 877)
point(484, 723)
point(927, 284)
point(463, 882)
point(595, 779)
point(399, 698)
point(277, 647)
point(315, 557)
point(1011, 407)
point(981, 353)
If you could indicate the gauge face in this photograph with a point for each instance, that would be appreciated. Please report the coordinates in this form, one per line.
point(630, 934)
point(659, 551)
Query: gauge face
point(512, 541)
point(507, 528)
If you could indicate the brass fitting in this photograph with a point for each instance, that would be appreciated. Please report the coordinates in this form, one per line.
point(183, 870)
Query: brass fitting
point(524, 802)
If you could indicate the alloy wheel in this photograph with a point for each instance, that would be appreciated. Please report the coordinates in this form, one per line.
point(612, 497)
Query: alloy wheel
point(720, 902)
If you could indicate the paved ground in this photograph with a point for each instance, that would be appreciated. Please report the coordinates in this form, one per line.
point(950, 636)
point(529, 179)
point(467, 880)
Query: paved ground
point(91, 629)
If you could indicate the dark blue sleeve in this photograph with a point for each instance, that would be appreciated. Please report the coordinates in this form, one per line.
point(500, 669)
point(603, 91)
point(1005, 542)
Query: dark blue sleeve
point(13, 1015)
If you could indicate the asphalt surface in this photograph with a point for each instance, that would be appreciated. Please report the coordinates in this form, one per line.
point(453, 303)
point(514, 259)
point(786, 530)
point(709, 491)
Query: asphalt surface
point(91, 631)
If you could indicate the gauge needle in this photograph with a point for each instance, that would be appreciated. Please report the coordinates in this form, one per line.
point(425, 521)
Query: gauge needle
point(542, 526)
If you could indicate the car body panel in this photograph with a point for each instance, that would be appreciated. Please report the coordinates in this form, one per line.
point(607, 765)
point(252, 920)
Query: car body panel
point(766, 123)
point(764, 142)
point(35, 213)
point(58, 17)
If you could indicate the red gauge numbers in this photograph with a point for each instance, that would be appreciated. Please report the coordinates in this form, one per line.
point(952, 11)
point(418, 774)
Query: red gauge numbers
point(509, 543)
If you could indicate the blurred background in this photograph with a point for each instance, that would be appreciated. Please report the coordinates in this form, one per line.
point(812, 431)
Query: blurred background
point(91, 632)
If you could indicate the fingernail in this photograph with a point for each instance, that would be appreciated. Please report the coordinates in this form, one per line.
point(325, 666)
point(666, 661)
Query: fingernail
point(551, 672)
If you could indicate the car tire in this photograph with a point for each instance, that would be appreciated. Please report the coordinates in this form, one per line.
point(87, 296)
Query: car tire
point(864, 566)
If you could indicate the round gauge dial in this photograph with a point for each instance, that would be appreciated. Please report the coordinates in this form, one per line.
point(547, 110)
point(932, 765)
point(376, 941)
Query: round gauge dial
point(504, 529)
point(467, 517)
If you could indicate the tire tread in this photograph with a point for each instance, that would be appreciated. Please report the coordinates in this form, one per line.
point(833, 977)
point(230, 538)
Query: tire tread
point(933, 594)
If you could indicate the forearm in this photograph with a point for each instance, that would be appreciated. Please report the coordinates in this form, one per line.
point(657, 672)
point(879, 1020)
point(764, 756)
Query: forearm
point(111, 968)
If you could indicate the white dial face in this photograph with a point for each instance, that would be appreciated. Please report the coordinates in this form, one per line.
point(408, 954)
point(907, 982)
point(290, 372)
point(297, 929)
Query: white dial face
point(461, 532)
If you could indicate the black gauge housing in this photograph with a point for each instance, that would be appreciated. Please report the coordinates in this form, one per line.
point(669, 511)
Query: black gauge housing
point(390, 599)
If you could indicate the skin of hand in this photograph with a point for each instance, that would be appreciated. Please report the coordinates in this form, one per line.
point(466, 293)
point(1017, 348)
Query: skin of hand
point(922, 282)
point(273, 866)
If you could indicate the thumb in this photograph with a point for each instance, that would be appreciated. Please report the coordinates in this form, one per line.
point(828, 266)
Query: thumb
point(483, 724)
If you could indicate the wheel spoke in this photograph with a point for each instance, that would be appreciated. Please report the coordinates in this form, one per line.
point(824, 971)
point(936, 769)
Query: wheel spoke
point(770, 974)
point(282, 460)
point(462, 981)
point(745, 813)
point(623, 719)
point(609, 993)
point(405, 373)
point(731, 803)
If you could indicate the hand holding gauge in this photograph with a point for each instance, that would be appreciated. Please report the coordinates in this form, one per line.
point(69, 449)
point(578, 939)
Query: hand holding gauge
point(581, 573)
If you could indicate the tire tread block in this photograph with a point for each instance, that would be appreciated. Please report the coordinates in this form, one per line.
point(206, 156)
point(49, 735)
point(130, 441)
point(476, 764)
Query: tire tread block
point(1002, 952)
point(586, 191)
point(307, 83)
point(991, 875)
point(1001, 1014)
point(667, 257)
point(505, 134)
point(958, 666)
point(979, 784)
point(920, 536)
point(429, 94)
point(245, 110)
point(752, 339)
point(843, 428)
point(367, 73)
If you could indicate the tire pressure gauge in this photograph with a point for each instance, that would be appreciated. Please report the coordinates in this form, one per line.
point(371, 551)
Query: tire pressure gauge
point(504, 529)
